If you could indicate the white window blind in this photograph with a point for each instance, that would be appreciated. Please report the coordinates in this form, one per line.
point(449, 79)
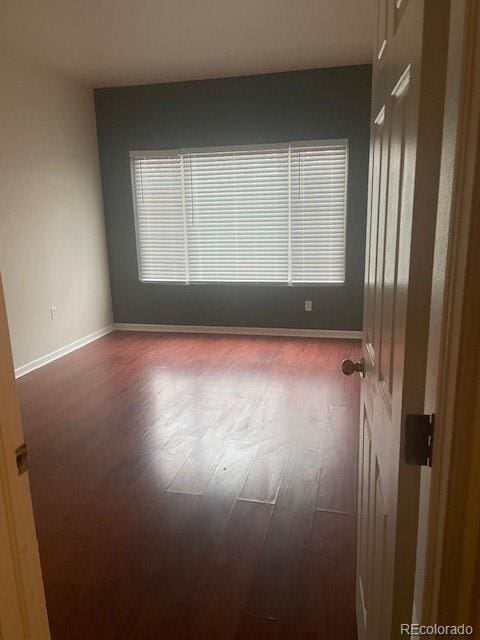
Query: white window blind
point(271, 213)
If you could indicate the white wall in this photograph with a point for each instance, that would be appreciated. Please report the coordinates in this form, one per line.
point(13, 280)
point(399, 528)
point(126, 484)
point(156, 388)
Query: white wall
point(52, 236)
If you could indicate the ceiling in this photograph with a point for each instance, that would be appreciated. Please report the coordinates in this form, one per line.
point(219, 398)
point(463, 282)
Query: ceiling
point(121, 42)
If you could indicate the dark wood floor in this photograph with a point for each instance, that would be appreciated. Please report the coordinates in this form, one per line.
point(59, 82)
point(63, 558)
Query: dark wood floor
point(190, 486)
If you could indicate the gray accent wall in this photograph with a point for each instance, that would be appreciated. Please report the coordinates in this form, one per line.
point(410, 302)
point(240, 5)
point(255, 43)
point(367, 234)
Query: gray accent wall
point(302, 105)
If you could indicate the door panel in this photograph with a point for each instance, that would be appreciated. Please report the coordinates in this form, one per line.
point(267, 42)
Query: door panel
point(378, 553)
point(372, 532)
point(363, 509)
point(374, 232)
point(379, 468)
point(391, 222)
point(403, 187)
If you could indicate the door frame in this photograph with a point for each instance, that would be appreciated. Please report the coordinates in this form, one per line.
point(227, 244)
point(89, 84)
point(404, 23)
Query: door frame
point(452, 583)
point(23, 613)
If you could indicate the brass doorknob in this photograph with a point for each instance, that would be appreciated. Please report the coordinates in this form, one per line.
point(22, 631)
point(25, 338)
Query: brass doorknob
point(349, 367)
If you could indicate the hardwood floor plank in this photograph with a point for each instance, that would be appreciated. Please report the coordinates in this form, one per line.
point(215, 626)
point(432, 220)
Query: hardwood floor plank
point(254, 628)
point(263, 481)
point(278, 582)
point(215, 604)
point(164, 608)
point(328, 610)
point(200, 466)
point(335, 491)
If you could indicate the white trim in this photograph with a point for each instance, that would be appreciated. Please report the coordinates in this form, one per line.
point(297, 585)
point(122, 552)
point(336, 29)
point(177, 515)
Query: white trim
point(181, 328)
point(347, 170)
point(58, 353)
point(246, 331)
point(135, 218)
point(140, 154)
point(155, 269)
point(152, 154)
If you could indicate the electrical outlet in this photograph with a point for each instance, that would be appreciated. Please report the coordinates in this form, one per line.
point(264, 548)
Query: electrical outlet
point(53, 313)
point(308, 305)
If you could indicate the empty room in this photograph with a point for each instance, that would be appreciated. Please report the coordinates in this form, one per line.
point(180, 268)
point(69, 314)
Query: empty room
point(238, 286)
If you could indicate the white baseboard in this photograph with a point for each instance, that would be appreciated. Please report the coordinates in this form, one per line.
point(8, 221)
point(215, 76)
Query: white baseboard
point(180, 328)
point(245, 331)
point(58, 353)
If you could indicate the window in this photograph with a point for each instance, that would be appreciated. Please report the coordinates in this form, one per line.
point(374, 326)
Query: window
point(270, 213)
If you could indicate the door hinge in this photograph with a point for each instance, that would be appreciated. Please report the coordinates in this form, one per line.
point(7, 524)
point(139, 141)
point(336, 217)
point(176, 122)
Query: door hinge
point(21, 456)
point(419, 439)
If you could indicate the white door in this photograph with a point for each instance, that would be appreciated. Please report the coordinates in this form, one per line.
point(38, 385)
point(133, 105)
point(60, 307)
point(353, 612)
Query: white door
point(22, 603)
point(406, 126)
